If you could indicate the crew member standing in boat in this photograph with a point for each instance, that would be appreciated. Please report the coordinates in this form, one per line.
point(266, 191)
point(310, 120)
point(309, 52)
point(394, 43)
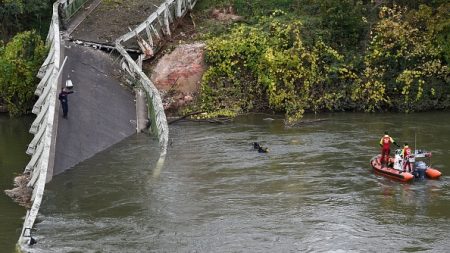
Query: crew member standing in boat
point(385, 144)
point(406, 154)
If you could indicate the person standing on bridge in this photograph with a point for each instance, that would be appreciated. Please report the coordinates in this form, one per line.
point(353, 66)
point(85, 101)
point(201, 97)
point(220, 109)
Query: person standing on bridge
point(385, 144)
point(64, 103)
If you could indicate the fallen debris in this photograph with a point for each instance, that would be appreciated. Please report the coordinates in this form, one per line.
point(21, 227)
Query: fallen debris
point(184, 117)
point(21, 193)
point(307, 122)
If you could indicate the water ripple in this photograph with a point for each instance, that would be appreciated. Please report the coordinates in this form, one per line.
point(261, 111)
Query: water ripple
point(313, 192)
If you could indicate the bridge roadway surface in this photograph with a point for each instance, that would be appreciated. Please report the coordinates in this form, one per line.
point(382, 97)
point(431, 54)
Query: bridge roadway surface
point(105, 21)
point(102, 110)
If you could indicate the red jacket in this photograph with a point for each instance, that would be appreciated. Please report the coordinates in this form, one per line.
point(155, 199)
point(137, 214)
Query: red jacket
point(406, 152)
point(386, 141)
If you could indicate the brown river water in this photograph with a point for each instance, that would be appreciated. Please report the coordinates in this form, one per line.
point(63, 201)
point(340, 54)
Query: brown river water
point(313, 192)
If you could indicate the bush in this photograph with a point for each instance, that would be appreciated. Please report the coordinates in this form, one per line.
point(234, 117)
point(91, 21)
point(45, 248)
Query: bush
point(268, 67)
point(321, 55)
point(20, 60)
point(404, 68)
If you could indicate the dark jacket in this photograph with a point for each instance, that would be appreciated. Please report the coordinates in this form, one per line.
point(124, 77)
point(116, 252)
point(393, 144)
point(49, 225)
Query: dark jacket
point(63, 96)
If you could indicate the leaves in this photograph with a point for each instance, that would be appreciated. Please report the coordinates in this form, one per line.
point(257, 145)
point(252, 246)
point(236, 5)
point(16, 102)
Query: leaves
point(282, 63)
point(402, 64)
point(20, 15)
point(268, 66)
point(19, 62)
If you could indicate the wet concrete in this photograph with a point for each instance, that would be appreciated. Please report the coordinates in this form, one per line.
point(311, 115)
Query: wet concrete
point(101, 110)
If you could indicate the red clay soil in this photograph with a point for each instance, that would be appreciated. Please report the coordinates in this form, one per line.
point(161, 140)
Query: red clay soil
point(178, 74)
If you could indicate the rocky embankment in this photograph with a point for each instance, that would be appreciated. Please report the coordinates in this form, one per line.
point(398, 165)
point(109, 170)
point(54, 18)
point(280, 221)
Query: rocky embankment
point(177, 75)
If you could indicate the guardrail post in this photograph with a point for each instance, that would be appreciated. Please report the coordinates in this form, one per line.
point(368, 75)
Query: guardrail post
point(179, 13)
point(166, 20)
point(149, 34)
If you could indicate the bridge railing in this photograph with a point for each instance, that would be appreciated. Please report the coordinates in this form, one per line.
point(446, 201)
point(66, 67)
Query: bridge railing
point(44, 127)
point(154, 28)
point(159, 122)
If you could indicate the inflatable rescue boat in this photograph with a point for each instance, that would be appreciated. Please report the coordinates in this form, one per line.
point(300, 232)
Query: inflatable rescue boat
point(394, 169)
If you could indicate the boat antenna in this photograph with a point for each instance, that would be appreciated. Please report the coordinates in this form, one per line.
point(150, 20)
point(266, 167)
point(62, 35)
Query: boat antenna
point(415, 140)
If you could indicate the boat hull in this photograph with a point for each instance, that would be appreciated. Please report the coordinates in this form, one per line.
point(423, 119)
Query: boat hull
point(433, 173)
point(389, 171)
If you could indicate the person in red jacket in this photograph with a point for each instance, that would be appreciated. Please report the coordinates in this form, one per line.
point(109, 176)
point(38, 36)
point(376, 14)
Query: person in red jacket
point(406, 154)
point(385, 144)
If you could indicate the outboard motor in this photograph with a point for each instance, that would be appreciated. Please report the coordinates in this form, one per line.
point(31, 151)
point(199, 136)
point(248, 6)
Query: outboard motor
point(419, 171)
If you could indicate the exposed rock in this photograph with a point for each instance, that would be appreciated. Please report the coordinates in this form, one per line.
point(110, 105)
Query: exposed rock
point(21, 192)
point(178, 74)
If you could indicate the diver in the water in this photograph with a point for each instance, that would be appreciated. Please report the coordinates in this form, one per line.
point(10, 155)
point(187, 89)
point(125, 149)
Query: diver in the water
point(260, 148)
point(263, 150)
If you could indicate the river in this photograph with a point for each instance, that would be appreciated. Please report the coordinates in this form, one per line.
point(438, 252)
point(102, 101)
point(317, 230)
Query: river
point(14, 138)
point(313, 192)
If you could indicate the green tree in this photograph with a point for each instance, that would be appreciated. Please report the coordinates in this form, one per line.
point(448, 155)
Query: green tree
point(415, 4)
point(20, 60)
point(403, 67)
point(345, 22)
point(330, 55)
point(268, 67)
point(20, 15)
point(435, 23)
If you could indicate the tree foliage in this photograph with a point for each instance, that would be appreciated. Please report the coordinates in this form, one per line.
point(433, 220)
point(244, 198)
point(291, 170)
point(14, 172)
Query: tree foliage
point(19, 63)
point(344, 21)
point(397, 60)
point(404, 69)
point(268, 67)
point(20, 15)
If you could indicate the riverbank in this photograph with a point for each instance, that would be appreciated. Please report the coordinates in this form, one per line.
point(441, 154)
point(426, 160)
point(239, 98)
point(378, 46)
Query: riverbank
point(268, 62)
point(179, 65)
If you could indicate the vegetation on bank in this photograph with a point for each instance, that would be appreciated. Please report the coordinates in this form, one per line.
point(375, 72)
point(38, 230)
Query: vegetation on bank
point(287, 56)
point(22, 27)
point(20, 60)
point(296, 56)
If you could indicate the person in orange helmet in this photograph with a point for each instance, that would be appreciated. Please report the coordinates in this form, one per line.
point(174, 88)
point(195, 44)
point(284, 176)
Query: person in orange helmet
point(406, 154)
point(385, 144)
